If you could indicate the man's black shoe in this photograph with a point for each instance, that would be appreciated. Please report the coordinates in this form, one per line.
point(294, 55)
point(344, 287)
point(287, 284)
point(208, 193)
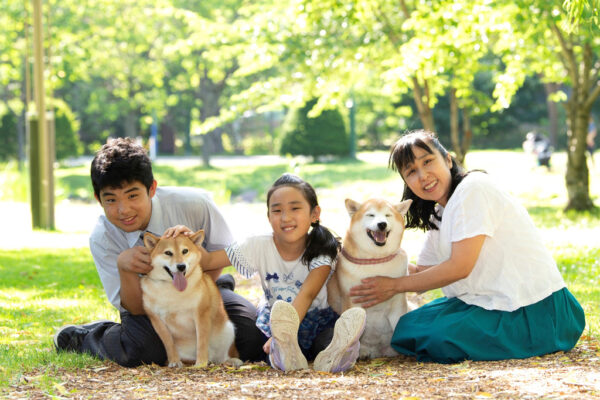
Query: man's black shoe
point(70, 337)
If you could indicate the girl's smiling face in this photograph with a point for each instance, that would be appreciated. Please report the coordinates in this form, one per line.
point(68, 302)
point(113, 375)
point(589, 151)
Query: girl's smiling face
point(428, 176)
point(290, 216)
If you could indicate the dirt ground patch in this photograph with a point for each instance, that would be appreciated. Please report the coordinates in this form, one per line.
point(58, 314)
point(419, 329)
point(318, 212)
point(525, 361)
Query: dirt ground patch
point(572, 375)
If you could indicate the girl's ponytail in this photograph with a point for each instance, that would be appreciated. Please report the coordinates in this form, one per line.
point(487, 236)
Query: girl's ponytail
point(320, 241)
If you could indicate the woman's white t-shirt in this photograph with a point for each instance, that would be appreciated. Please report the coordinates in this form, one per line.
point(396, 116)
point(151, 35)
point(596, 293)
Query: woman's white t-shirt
point(514, 269)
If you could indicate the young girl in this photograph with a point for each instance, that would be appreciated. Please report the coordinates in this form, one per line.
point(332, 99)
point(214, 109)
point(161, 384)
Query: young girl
point(294, 263)
point(504, 296)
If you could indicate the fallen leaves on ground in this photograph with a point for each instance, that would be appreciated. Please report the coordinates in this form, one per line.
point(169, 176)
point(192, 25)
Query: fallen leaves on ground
point(572, 375)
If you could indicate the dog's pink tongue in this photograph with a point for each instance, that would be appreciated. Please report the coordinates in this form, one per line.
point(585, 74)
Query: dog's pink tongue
point(179, 281)
point(379, 236)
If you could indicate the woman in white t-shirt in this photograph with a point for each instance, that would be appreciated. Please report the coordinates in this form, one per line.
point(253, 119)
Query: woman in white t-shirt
point(504, 296)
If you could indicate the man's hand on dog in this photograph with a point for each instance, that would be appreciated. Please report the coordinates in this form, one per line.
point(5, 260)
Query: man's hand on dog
point(135, 260)
point(373, 291)
point(178, 230)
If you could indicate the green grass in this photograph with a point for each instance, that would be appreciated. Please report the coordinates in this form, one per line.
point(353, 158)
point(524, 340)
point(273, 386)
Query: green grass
point(43, 289)
point(40, 291)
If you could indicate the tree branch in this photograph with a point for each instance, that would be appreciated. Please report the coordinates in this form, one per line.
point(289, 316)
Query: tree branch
point(595, 72)
point(594, 94)
point(587, 65)
point(569, 59)
point(404, 9)
point(389, 32)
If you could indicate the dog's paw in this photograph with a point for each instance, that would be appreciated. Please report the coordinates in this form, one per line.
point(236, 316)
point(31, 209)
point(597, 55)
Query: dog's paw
point(234, 362)
point(175, 364)
point(200, 364)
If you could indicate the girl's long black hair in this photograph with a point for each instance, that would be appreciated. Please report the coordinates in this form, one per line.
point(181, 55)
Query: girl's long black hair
point(320, 240)
point(401, 154)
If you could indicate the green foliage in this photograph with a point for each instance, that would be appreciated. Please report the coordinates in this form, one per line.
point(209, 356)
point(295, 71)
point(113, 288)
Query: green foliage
point(255, 145)
point(314, 136)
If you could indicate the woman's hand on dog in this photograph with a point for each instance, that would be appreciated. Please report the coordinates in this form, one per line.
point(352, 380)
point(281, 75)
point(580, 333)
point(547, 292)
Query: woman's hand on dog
point(373, 291)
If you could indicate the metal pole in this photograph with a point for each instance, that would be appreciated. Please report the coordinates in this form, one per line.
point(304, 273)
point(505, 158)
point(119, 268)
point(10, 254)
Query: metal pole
point(352, 107)
point(153, 142)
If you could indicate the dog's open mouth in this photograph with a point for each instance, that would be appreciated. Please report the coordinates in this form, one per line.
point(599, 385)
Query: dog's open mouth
point(179, 280)
point(378, 237)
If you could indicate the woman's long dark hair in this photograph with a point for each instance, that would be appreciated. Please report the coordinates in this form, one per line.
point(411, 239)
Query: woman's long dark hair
point(320, 240)
point(401, 154)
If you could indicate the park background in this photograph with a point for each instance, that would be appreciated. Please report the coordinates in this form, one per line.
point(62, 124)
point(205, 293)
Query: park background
point(228, 95)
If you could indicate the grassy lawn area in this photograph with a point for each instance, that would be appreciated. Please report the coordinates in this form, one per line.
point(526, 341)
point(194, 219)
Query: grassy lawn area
point(46, 285)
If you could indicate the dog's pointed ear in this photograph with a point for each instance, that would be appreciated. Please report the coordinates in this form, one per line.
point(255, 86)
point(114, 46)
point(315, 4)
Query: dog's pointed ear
point(198, 237)
point(352, 206)
point(150, 240)
point(403, 207)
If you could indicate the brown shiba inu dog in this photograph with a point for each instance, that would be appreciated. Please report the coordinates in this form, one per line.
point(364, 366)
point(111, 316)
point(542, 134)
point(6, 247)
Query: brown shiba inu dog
point(371, 247)
point(184, 304)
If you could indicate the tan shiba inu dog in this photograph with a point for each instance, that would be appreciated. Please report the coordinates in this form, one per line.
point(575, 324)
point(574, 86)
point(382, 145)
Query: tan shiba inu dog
point(184, 304)
point(371, 247)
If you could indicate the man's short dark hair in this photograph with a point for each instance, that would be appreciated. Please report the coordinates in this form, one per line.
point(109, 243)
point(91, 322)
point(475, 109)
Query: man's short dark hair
point(120, 161)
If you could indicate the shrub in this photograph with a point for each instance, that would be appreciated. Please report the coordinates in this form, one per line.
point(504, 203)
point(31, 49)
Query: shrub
point(8, 137)
point(66, 126)
point(323, 135)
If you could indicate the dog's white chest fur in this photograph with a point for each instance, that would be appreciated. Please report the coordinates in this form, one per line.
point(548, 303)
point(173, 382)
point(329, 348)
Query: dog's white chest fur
point(178, 313)
point(371, 248)
point(383, 317)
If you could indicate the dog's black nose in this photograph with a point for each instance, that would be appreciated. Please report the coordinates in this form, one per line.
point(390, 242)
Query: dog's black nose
point(382, 225)
point(181, 267)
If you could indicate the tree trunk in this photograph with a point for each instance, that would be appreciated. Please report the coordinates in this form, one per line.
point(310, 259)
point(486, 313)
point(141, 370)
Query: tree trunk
point(467, 134)
point(585, 90)
point(454, 133)
point(421, 96)
point(207, 150)
point(210, 93)
point(167, 136)
point(552, 113)
point(577, 175)
point(130, 124)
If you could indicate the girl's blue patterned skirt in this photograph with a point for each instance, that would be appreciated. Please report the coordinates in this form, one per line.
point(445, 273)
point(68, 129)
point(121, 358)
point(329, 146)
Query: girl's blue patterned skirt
point(314, 322)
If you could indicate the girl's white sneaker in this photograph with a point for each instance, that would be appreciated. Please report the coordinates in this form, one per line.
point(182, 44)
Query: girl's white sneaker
point(285, 352)
point(342, 352)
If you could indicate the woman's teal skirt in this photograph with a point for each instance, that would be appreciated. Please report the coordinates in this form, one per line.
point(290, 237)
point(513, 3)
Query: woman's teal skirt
point(449, 330)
